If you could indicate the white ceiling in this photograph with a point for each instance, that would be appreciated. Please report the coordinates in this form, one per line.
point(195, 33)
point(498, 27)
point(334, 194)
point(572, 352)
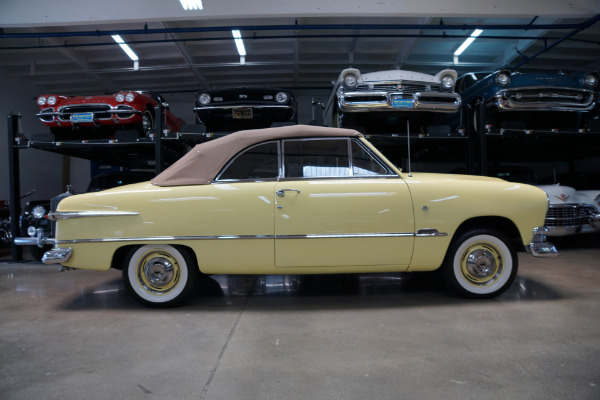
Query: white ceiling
point(66, 48)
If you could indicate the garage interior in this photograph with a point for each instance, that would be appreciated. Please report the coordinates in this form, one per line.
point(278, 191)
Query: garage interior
point(78, 333)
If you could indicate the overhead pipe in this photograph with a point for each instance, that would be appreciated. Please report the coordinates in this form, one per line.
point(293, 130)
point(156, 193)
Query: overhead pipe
point(173, 40)
point(441, 26)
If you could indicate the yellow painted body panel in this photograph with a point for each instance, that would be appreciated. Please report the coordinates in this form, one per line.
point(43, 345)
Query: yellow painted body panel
point(197, 214)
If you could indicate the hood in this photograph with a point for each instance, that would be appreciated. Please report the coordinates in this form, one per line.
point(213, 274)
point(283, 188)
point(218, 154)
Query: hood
point(560, 194)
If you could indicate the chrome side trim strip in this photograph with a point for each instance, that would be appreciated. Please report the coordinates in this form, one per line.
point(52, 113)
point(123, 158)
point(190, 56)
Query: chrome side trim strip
point(57, 215)
point(239, 237)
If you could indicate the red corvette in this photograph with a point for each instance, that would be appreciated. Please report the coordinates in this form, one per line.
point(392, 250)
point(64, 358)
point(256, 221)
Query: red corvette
point(100, 116)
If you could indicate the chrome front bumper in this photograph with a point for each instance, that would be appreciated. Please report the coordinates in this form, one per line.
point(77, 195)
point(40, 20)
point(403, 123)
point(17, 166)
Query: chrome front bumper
point(539, 247)
point(384, 101)
point(40, 240)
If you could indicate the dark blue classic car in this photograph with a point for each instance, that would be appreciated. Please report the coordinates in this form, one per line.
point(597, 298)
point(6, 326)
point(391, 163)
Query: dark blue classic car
point(531, 101)
point(229, 110)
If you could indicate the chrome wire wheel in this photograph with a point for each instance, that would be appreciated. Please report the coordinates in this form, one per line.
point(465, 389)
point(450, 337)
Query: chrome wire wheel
point(159, 275)
point(481, 264)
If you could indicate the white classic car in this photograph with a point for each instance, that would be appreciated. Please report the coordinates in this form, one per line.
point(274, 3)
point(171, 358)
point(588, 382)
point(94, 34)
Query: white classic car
point(571, 211)
point(377, 99)
point(299, 200)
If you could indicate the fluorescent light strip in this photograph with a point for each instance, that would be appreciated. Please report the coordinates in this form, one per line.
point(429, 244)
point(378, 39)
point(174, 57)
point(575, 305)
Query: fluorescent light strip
point(239, 42)
point(125, 48)
point(468, 42)
point(191, 4)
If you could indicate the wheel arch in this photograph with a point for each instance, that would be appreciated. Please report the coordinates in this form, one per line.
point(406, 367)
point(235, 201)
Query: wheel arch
point(500, 224)
point(120, 255)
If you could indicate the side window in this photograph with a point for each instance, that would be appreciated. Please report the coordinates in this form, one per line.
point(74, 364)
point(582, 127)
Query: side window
point(363, 164)
point(257, 162)
point(311, 158)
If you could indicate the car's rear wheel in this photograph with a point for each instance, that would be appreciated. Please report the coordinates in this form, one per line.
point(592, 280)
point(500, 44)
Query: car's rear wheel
point(480, 263)
point(159, 275)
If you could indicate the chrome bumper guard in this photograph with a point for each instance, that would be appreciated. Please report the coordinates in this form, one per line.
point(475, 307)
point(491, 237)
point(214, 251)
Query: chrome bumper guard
point(595, 221)
point(539, 247)
point(57, 256)
point(40, 240)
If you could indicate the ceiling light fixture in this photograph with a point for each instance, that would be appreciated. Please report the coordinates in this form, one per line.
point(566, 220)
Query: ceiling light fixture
point(191, 4)
point(467, 42)
point(125, 48)
point(239, 42)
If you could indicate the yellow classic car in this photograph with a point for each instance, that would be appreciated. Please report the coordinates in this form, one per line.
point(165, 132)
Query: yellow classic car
point(299, 200)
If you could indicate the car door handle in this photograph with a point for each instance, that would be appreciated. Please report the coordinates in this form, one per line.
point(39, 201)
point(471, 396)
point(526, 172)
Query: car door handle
point(281, 192)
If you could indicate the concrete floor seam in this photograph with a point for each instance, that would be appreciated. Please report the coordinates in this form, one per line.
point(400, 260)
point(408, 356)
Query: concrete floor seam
point(222, 353)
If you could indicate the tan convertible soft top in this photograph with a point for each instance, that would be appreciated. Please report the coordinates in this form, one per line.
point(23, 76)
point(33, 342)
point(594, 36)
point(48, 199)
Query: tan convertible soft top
point(201, 164)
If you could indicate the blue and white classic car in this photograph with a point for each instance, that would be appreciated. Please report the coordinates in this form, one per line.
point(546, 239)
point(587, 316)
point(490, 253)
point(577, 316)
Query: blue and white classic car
point(516, 101)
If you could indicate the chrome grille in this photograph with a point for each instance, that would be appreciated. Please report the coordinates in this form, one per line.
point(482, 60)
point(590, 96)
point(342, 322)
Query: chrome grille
point(404, 88)
point(550, 95)
point(569, 215)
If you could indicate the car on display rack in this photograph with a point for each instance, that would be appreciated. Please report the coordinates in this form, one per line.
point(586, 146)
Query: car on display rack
point(229, 110)
point(299, 200)
point(574, 204)
point(101, 116)
point(34, 225)
point(382, 102)
point(526, 102)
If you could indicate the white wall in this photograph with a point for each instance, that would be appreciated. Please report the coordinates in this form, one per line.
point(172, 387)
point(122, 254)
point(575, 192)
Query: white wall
point(40, 170)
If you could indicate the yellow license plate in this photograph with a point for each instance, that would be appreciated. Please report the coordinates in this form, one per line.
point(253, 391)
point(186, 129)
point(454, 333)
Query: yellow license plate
point(242, 113)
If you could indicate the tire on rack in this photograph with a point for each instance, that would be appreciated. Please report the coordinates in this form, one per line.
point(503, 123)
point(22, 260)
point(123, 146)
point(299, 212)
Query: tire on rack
point(160, 276)
point(147, 124)
point(480, 263)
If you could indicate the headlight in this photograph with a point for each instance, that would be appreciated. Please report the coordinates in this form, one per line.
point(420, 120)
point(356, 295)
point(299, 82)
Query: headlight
point(38, 212)
point(590, 80)
point(129, 97)
point(447, 82)
point(120, 97)
point(503, 78)
point(42, 100)
point(204, 98)
point(350, 81)
point(597, 199)
point(281, 97)
point(51, 100)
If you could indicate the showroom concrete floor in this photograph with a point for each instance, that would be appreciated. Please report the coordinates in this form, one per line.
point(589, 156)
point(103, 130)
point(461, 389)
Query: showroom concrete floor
point(78, 335)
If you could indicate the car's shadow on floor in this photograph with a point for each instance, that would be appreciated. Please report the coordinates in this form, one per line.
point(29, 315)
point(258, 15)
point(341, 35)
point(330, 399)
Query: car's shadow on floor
point(296, 292)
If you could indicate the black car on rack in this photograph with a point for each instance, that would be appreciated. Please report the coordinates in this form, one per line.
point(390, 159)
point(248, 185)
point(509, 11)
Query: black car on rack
point(229, 110)
point(34, 215)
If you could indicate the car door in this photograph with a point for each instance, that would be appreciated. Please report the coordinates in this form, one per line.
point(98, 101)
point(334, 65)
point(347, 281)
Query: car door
point(338, 206)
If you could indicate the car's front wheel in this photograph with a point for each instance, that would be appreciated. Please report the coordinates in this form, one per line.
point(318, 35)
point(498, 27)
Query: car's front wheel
point(159, 275)
point(480, 263)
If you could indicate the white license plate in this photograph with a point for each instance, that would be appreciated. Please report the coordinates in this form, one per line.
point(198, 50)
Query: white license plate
point(82, 117)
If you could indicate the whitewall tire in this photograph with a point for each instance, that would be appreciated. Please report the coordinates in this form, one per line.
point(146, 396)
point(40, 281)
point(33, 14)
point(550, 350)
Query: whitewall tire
point(159, 275)
point(480, 264)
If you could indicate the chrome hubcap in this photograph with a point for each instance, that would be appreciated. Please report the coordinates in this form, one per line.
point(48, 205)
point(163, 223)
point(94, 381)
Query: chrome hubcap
point(159, 272)
point(481, 263)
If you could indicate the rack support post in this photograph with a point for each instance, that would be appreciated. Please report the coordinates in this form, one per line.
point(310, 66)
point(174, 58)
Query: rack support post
point(14, 183)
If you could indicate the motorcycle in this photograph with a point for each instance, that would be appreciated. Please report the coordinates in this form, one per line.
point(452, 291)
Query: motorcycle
point(5, 234)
